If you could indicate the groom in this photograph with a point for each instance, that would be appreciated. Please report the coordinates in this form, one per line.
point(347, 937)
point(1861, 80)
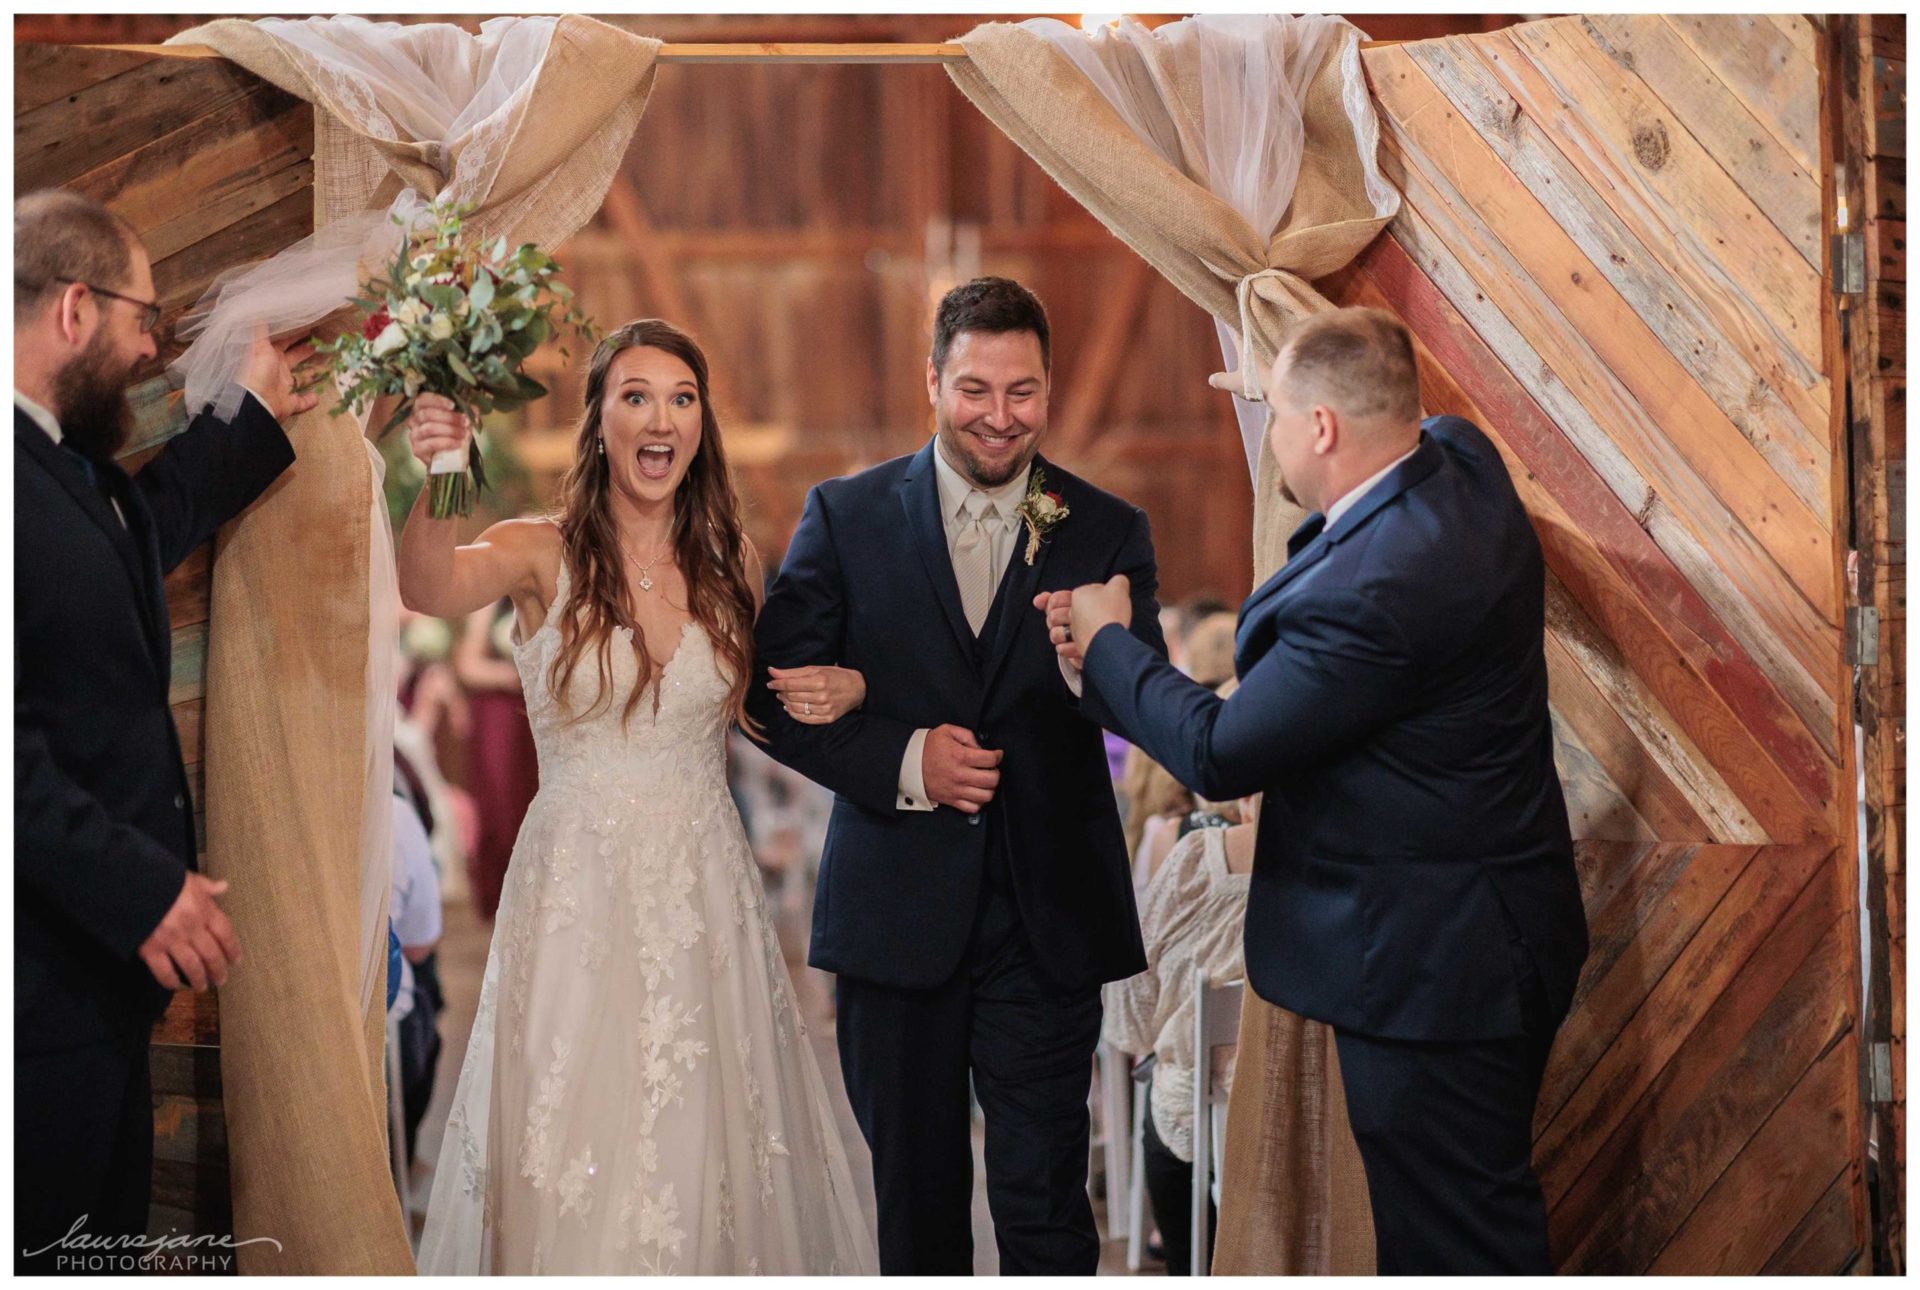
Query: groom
point(974, 894)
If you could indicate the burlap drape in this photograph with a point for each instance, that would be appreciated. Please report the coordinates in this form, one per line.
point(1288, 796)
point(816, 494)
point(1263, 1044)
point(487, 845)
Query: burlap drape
point(286, 738)
point(1293, 1195)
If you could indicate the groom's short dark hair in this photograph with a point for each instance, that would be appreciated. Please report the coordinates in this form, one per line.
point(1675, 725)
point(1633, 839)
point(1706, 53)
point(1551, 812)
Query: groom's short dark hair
point(990, 305)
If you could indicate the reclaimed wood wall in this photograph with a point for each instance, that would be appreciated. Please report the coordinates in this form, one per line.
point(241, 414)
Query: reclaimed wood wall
point(214, 169)
point(1613, 256)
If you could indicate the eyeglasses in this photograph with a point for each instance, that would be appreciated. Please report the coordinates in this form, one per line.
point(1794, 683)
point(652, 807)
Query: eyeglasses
point(149, 309)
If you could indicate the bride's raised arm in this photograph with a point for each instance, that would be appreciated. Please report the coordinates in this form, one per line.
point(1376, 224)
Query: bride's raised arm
point(440, 577)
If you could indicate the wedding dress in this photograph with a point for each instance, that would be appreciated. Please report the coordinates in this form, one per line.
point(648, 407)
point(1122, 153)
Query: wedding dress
point(639, 1094)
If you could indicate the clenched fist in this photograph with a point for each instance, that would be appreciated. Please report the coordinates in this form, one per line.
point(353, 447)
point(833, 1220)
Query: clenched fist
point(957, 771)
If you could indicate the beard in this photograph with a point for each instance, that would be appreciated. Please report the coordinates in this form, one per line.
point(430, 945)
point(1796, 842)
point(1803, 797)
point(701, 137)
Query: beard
point(984, 474)
point(90, 402)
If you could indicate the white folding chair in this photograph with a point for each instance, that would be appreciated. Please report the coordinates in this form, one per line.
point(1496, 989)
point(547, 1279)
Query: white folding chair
point(1114, 1138)
point(1216, 1022)
point(1137, 1184)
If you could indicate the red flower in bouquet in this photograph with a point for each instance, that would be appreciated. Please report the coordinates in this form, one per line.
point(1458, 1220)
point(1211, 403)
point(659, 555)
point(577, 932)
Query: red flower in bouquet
point(375, 323)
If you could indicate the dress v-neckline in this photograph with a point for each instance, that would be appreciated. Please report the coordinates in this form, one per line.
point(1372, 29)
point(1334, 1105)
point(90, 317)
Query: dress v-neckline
point(679, 647)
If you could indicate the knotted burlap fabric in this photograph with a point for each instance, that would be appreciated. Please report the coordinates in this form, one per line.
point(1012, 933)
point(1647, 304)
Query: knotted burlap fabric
point(1293, 1193)
point(287, 743)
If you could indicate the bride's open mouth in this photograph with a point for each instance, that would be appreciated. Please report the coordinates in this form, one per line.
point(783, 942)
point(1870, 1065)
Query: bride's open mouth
point(656, 460)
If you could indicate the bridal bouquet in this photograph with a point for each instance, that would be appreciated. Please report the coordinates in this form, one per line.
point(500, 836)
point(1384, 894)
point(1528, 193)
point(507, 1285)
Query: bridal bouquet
point(458, 319)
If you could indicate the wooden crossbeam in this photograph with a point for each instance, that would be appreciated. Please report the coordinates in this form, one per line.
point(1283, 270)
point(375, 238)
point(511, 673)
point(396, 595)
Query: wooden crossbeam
point(738, 52)
point(812, 53)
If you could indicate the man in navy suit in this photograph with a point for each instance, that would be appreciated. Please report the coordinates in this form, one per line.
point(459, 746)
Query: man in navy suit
point(1413, 882)
point(974, 892)
point(110, 915)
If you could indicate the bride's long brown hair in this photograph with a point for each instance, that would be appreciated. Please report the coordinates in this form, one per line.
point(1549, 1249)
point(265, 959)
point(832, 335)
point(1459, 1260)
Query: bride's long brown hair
point(708, 542)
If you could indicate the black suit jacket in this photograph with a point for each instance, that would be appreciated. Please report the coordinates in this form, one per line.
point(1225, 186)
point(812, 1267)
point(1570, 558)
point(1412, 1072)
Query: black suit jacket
point(867, 583)
point(103, 825)
point(1393, 706)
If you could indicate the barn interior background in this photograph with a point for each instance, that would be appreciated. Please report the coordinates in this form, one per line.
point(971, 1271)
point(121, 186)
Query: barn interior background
point(1623, 251)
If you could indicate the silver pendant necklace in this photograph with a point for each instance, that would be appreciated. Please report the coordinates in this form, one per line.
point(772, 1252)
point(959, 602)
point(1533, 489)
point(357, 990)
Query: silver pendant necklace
point(646, 570)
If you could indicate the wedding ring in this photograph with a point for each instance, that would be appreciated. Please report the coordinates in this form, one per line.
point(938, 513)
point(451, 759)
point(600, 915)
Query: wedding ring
point(807, 709)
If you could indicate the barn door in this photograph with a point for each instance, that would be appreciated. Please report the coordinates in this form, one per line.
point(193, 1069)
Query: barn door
point(1613, 255)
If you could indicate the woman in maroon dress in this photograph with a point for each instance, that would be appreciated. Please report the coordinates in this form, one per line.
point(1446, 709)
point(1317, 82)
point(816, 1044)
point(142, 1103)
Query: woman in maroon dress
point(502, 772)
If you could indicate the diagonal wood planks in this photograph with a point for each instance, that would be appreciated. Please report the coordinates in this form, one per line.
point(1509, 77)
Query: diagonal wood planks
point(1611, 256)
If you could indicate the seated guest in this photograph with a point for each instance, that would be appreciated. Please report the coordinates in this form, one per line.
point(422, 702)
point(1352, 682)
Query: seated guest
point(1192, 917)
point(1204, 605)
point(110, 915)
point(1156, 802)
point(416, 923)
point(1210, 650)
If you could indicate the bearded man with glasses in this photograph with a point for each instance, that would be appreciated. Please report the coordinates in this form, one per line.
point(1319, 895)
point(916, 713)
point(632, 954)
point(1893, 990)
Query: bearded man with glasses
point(110, 915)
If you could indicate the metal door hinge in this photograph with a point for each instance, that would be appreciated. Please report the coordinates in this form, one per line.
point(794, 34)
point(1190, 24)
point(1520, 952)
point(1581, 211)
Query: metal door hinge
point(1849, 263)
point(1863, 636)
point(1880, 1073)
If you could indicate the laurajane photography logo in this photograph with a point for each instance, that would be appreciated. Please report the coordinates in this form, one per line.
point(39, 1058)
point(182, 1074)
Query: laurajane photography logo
point(81, 1251)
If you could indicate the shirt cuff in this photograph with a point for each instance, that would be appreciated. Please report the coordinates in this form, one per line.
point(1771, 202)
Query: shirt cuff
point(913, 784)
point(1071, 675)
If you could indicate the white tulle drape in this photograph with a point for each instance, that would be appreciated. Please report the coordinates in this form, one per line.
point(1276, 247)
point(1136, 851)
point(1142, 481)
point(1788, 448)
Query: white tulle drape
point(458, 98)
point(1245, 147)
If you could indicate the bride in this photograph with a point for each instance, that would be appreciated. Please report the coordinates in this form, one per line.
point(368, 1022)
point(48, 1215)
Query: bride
point(639, 1095)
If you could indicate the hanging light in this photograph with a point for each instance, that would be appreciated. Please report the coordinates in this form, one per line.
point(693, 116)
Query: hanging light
point(1095, 21)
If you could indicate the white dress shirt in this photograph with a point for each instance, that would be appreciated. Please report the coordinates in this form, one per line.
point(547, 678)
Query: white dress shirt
point(1352, 496)
point(954, 491)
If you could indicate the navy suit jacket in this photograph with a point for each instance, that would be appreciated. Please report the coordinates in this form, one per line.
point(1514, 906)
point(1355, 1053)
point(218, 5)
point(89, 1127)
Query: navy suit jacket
point(1413, 840)
point(103, 823)
point(867, 583)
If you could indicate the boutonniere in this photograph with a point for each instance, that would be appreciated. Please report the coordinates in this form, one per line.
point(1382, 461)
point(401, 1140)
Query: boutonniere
point(1041, 511)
